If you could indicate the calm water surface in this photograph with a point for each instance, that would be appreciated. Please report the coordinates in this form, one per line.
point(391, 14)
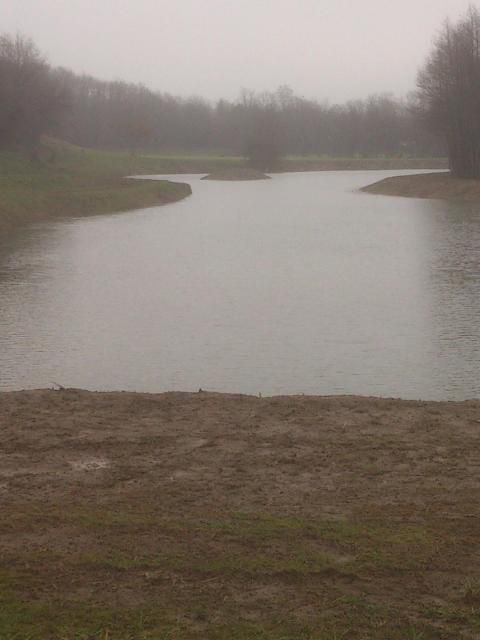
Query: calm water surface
point(299, 284)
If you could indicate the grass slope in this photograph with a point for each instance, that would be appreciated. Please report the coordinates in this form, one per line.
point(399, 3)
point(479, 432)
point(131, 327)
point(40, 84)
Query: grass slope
point(70, 181)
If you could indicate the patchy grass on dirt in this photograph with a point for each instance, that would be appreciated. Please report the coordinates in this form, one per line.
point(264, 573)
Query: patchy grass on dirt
point(132, 516)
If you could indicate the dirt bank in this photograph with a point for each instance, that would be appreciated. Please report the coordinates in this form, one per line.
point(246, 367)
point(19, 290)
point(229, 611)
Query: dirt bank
point(219, 516)
point(440, 186)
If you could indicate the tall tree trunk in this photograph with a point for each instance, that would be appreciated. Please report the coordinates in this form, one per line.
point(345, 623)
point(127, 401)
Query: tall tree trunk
point(464, 159)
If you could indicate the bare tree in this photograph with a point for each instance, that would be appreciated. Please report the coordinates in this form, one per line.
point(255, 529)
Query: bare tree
point(120, 115)
point(30, 97)
point(448, 95)
point(263, 139)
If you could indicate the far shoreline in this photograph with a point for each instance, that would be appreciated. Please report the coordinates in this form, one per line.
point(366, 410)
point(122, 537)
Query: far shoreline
point(70, 181)
point(239, 174)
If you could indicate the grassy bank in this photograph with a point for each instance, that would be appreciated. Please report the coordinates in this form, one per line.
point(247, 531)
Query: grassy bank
point(431, 185)
point(183, 516)
point(69, 181)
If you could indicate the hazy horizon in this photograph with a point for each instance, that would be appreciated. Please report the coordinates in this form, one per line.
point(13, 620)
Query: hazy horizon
point(214, 48)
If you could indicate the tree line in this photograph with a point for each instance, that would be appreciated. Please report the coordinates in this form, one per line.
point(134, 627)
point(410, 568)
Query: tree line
point(448, 95)
point(442, 115)
point(119, 115)
point(32, 101)
point(36, 99)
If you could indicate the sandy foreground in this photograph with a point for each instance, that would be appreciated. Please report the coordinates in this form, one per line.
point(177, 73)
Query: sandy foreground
point(225, 516)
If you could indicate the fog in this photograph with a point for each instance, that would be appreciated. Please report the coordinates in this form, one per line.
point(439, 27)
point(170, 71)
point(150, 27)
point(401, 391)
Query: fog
point(322, 49)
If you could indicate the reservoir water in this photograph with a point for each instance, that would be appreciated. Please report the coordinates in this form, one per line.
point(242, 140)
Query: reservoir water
point(299, 284)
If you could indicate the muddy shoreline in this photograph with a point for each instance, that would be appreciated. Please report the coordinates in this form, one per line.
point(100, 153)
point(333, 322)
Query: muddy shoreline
point(208, 515)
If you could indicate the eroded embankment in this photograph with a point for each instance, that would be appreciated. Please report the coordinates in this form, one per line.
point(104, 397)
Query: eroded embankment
point(219, 516)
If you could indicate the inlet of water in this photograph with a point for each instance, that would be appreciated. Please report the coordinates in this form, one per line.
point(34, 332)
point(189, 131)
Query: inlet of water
point(300, 284)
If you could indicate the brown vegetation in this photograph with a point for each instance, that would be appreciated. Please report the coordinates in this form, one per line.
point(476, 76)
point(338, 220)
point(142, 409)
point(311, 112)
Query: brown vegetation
point(134, 516)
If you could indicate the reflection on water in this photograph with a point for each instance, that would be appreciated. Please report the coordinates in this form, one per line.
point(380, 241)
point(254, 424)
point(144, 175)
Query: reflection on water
point(298, 284)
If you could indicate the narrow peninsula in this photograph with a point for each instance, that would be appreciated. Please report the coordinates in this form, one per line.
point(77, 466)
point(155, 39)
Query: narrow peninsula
point(69, 181)
point(439, 186)
point(237, 174)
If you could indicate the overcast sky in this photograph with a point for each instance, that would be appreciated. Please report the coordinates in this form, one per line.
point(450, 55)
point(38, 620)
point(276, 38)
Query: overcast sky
point(323, 49)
